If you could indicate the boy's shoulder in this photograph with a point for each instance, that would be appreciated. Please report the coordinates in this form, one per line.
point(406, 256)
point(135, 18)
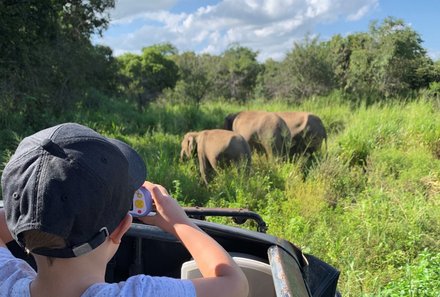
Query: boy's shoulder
point(143, 285)
point(15, 275)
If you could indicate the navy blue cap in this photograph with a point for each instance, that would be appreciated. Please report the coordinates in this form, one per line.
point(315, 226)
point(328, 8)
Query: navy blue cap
point(70, 181)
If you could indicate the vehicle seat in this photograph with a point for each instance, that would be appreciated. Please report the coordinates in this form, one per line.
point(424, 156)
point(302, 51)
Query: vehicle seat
point(258, 273)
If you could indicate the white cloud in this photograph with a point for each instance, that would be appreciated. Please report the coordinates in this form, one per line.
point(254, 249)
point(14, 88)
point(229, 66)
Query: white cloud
point(362, 11)
point(127, 10)
point(269, 26)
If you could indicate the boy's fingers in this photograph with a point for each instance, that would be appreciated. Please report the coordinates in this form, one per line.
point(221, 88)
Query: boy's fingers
point(156, 192)
point(148, 185)
point(162, 189)
point(156, 189)
point(151, 220)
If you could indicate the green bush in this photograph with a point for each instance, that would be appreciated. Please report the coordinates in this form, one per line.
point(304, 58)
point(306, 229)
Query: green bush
point(419, 277)
point(369, 204)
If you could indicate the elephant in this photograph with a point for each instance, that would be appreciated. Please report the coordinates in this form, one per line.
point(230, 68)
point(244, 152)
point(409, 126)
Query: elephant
point(214, 148)
point(264, 131)
point(307, 131)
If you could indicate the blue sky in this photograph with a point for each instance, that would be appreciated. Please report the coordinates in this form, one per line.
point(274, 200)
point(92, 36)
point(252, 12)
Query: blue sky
point(267, 26)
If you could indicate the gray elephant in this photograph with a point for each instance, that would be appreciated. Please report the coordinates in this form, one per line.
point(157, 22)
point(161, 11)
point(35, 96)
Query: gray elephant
point(307, 131)
point(264, 131)
point(215, 147)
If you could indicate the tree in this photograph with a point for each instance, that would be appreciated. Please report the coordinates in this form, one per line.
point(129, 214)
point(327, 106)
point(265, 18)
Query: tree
point(387, 61)
point(236, 73)
point(271, 84)
point(216, 72)
point(400, 56)
point(340, 53)
point(145, 76)
point(46, 54)
point(436, 71)
point(308, 69)
point(360, 75)
point(103, 71)
point(193, 81)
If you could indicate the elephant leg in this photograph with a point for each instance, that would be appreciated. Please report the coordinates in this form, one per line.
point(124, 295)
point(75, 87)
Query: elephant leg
point(261, 145)
point(212, 163)
point(256, 144)
point(209, 173)
point(279, 147)
point(203, 168)
point(298, 145)
point(207, 168)
point(223, 160)
point(312, 143)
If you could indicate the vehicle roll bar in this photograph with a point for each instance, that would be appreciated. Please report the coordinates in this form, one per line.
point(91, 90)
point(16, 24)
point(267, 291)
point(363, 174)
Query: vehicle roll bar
point(238, 215)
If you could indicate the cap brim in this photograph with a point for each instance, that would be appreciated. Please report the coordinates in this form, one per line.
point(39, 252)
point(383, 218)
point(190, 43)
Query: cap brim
point(136, 165)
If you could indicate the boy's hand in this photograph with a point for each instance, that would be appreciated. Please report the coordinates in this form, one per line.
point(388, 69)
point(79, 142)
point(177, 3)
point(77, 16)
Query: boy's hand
point(168, 211)
point(5, 235)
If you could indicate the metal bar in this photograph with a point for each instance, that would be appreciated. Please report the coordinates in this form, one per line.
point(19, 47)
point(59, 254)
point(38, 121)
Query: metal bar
point(239, 215)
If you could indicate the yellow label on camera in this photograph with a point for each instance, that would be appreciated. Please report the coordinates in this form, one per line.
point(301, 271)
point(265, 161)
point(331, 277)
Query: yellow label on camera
point(139, 203)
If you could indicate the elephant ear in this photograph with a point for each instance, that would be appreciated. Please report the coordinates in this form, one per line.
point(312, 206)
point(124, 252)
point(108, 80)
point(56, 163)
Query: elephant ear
point(191, 146)
point(187, 146)
point(192, 143)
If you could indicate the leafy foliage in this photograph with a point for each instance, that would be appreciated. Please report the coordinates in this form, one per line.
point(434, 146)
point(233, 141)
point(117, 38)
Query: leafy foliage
point(387, 61)
point(241, 72)
point(421, 278)
point(308, 69)
point(145, 76)
point(45, 57)
point(193, 84)
point(234, 77)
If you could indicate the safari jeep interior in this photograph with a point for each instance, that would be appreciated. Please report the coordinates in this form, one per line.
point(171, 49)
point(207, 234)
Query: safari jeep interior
point(257, 271)
point(273, 266)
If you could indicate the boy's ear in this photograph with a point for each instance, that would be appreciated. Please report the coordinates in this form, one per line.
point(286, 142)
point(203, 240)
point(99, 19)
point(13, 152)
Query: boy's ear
point(123, 226)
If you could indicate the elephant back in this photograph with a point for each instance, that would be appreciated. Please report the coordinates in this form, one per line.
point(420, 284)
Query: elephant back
point(253, 124)
point(224, 146)
point(263, 131)
point(222, 141)
point(307, 131)
point(238, 148)
point(296, 121)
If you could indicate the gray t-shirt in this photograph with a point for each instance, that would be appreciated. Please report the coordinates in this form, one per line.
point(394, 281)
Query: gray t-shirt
point(16, 276)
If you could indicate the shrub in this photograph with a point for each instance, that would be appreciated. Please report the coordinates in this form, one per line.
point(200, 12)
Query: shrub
point(419, 277)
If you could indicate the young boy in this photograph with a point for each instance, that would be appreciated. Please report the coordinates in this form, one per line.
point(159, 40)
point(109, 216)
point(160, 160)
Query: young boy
point(67, 191)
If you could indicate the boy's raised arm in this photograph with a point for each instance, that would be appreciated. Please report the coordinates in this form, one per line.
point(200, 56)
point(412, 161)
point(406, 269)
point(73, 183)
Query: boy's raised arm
point(221, 275)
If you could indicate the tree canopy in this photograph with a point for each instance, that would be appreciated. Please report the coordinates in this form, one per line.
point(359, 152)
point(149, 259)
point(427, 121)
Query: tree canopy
point(145, 76)
point(45, 55)
point(48, 64)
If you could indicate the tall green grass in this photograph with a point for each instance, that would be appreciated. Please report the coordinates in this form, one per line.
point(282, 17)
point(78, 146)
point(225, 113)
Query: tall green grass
point(369, 204)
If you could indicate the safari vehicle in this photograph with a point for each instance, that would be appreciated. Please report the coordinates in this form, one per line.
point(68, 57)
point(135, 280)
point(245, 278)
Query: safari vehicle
point(273, 266)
